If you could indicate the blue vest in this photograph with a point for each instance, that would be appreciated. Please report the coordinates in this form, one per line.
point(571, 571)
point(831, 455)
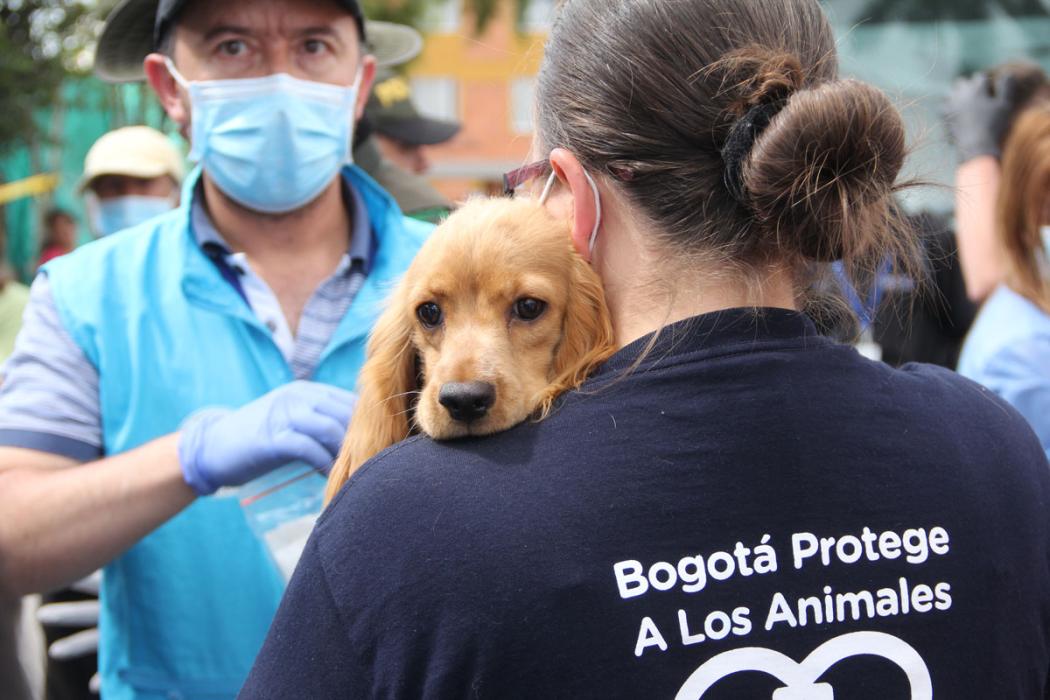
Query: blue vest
point(185, 610)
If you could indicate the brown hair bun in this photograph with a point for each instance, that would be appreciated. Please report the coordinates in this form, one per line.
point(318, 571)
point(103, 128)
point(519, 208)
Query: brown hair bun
point(821, 178)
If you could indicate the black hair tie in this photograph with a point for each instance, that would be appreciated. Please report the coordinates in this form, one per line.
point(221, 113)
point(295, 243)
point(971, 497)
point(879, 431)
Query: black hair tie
point(741, 140)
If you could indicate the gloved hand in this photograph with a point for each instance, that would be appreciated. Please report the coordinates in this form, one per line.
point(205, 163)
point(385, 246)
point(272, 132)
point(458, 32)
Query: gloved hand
point(298, 422)
point(978, 114)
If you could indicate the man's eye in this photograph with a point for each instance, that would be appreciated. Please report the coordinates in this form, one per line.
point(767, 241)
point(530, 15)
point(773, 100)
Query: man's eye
point(529, 309)
point(315, 46)
point(429, 315)
point(233, 47)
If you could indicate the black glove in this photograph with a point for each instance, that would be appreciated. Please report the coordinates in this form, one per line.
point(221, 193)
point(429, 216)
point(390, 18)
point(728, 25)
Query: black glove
point(978, 114)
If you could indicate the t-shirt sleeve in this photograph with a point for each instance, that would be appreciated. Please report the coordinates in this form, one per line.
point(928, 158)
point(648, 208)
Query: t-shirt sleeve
point(1019, 375)
point(49, 399)
point(307, 653)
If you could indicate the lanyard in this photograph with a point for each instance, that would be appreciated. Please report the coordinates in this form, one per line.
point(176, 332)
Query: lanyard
point(865, 309)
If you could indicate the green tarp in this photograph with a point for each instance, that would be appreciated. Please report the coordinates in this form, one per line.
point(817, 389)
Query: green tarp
point(87, 109)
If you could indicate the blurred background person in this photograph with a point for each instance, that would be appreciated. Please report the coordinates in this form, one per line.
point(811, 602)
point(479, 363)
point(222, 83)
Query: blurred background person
point(925, 323)
point(1008, 349)
point(403, 134)
point(980, 112)
point(59, 237)
point(392, 147)
point(130, 175)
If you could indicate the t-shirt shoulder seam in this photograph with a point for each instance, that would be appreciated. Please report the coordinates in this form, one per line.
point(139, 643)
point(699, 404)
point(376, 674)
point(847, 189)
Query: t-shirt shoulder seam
point(326, 582)
point(367, 467)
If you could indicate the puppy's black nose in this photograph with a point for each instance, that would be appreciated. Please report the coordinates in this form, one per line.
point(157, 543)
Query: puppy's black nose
point(467, 401)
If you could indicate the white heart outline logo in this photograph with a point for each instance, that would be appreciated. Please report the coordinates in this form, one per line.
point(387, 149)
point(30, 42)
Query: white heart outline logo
point(799, 676)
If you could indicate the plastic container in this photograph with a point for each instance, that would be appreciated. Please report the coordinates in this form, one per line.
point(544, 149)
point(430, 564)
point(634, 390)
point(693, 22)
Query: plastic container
point(281, 509)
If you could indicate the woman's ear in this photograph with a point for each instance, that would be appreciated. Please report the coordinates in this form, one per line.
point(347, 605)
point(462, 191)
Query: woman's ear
point(386, 386)
point(587, 334)
point(576, 201)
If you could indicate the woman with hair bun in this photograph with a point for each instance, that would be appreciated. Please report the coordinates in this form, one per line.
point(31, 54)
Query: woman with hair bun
point(1008, 348)
point(733, 506)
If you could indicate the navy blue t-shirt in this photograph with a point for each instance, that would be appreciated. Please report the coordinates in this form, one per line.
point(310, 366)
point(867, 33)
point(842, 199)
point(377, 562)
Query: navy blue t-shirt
point(752, 512)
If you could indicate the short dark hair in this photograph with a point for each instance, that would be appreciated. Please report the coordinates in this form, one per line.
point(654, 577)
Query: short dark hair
point(53, 215)
point(166, 41)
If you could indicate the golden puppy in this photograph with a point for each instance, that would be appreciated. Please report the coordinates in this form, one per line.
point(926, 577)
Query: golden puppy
point(496, 317)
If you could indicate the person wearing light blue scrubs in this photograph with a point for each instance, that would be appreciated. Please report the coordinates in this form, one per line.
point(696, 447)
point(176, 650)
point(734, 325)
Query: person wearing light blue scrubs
point(1008, 348)
point(204, 348)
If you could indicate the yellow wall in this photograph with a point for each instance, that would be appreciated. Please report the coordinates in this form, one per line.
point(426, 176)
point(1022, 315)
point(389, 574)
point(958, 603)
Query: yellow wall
point(484, 67)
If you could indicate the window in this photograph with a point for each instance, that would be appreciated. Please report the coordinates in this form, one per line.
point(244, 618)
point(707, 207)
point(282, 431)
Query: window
point(444, 16)
point(437, 98)
point(539, 16)
point(522, 98)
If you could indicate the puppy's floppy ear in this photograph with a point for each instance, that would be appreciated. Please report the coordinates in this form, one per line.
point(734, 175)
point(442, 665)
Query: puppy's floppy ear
point(587, 334)
point(386, 387)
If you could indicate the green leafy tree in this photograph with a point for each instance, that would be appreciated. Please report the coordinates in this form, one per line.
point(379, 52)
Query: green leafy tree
point(31, 69)
point(42, 44)
point(485, 10)
point(410, 12)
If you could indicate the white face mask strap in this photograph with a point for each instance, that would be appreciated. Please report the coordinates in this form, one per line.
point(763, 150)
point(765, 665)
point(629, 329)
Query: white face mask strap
point(176, 74)
point(597, 204)
point(548, 188)
point(597, 212)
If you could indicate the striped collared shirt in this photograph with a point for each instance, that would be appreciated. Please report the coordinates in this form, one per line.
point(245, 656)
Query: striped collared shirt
point(49, 399)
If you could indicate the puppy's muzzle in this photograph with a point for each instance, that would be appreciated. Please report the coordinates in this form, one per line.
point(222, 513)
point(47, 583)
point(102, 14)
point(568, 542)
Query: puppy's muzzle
point(466, 402)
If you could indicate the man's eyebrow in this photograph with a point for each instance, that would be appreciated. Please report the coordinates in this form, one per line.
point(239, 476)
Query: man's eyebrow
point(225, 29)
point(323, 30)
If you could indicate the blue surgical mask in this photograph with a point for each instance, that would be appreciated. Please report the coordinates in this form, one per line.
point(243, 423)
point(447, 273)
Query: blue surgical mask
point(108, 216)
point(271, 144)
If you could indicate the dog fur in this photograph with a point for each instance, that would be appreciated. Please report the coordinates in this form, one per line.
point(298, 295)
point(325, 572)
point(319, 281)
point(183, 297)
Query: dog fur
point(477, 266)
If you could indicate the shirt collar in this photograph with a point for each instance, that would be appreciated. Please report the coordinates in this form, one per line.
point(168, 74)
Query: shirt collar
point(362, 237)
point(360, 252)
point(729, 330)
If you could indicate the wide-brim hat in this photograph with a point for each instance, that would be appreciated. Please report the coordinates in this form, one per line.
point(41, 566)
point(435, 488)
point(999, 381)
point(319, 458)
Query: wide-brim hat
point(133, 151)
point(129, 35)
point(392, 112)
point(417, 131)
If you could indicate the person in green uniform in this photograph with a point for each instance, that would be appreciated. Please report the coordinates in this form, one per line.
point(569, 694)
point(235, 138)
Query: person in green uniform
point(392, 147)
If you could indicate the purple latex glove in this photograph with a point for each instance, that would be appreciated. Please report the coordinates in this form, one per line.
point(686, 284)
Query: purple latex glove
point(298, 422)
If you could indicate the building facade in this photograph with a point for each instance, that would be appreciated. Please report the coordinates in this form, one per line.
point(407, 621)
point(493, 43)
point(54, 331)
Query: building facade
point(485, 82)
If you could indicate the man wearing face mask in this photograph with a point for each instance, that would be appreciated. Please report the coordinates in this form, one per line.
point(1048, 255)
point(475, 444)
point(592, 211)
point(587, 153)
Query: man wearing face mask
point(203, 348)
point(130, 175)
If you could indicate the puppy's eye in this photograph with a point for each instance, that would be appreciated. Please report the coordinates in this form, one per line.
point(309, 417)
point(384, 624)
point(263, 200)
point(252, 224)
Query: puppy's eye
point(430, 315)
point(529, 309)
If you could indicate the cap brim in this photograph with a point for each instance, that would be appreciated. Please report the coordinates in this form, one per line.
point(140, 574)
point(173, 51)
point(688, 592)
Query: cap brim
point(127, 38)
point(131, 168)
point(392, 44)
point(419, 131)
